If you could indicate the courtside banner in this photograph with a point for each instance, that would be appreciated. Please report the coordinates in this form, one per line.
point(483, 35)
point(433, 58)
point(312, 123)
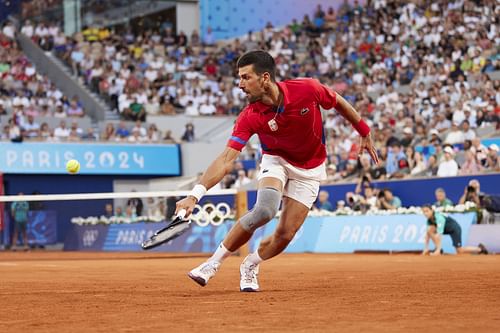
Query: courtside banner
point(41, 227)
point(95, 158)
point(129, 237)
point(348, 234)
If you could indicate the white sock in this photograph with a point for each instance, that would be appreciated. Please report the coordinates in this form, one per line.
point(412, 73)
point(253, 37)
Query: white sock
point(254, 258)
point(220, 254)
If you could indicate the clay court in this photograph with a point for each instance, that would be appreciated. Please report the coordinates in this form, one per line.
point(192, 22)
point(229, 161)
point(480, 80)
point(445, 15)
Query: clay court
point(105, 292)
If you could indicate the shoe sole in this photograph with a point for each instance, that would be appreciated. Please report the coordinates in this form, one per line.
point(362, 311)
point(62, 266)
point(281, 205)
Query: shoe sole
point(197, 279)
point(249, 290)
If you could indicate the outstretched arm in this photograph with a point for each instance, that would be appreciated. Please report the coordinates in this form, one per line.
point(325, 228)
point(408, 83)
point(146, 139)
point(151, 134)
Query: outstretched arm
point(349, 113)
point(220, 167)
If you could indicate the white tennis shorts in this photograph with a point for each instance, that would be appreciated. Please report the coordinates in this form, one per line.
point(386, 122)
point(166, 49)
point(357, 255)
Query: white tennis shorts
point(299, 184)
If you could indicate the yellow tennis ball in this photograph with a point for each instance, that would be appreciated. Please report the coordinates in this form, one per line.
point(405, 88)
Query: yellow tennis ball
point(73, 166)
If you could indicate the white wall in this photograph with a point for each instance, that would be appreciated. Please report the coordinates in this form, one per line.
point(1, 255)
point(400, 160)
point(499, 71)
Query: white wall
point(188, 17)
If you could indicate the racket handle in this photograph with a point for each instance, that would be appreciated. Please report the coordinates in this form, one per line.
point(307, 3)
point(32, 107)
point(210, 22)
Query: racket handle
point(181, 214)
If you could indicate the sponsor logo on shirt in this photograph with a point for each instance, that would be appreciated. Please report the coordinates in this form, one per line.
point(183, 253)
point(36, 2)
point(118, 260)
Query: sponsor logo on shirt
point(304, 111)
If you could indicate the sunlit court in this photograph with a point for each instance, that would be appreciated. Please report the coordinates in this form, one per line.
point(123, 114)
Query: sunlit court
point(249, 166)
point(49, 292)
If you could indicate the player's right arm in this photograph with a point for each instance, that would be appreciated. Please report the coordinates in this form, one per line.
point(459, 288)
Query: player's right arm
point(221, 166)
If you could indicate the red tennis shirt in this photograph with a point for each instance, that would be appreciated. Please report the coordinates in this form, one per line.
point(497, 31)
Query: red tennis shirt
point(294, 131)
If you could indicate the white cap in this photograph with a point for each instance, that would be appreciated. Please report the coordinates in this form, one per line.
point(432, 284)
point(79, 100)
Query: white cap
point(448, 150)
point(433, 131)
point(494, 147)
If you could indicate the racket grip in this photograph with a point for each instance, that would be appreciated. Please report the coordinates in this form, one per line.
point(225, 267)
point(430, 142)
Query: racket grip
point(181, 214)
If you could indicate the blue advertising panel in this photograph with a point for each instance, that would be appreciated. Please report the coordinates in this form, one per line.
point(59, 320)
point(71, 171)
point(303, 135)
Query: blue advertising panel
point(334, 234)
point(41, 227)
point(347, 234)
point(128, 237)
point(95, 158)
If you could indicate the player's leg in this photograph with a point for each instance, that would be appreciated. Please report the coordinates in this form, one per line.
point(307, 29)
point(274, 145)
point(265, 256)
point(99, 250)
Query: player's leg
point(292, 218)
point(298, 198)
point(266, 207)
point(268, 198)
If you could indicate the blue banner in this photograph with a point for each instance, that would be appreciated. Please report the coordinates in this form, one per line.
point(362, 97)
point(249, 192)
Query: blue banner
point(41, 227)
point(347, 234)
point(338, 234)
point(128, 237)
point(95, 158)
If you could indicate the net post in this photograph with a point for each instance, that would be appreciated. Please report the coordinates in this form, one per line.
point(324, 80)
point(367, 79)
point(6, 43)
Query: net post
point(241, 204)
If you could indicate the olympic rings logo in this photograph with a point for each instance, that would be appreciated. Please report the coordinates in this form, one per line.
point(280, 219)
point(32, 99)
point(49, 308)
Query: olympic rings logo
point(211, 214)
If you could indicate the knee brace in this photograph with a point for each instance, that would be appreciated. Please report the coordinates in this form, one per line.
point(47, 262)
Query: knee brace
point(266, 207)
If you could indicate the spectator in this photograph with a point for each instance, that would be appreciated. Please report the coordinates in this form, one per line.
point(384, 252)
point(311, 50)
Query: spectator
point(369, 201)
point(441, 199)
point(74, 109)
point(61, 132)
point(122, 132)
point(418, 164)
point(168, 138)
point(90, 135)
point(397, 164)
point(139, 128)
point(455, 135)
point(188, 135)
point(492, 160)
point(31, 128)
point(134, 206)
point(387, 200)
point(468, 133)
point(323, 203)
point(108, 210)
point(19, 211)
point(241, 179)
point(448, 167)
point(191, 109)
point(471, 166)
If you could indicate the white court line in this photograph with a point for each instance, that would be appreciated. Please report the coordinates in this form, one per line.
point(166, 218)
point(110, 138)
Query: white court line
point(8, 264)
point(46, 265)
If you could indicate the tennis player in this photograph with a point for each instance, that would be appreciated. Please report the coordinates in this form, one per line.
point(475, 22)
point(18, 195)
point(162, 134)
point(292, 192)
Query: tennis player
point(286, 116)
point(437, 225)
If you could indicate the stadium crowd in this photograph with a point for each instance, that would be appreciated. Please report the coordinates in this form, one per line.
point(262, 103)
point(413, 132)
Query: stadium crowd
point(419, 72)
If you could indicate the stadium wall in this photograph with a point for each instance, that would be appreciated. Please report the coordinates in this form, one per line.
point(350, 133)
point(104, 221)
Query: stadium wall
point(229, 19)
point(415, 192)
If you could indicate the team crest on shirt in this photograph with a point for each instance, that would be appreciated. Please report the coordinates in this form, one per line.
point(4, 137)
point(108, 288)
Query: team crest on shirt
point(273, 125)
point(304, 111)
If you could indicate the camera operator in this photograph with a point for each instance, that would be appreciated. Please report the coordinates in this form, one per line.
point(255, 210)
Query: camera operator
point(471, 193)
point(387, 200)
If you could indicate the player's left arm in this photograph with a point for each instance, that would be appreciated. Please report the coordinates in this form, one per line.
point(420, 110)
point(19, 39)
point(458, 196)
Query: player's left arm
point(330, 99)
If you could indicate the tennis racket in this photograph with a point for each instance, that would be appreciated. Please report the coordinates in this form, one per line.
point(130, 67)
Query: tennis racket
point(173, 230)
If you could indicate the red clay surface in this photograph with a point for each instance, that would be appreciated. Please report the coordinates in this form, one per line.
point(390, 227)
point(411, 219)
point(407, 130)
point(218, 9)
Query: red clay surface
point(105, 292)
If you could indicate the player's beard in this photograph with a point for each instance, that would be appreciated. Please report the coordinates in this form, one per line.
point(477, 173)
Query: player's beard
point(254, 98)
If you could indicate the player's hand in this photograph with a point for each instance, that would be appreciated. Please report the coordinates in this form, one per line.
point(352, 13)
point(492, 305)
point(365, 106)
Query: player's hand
point(187, 203)
point(366, 143)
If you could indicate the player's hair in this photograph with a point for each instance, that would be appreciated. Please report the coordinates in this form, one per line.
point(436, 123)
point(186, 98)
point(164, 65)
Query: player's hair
point(427, 205)
point(261, 60)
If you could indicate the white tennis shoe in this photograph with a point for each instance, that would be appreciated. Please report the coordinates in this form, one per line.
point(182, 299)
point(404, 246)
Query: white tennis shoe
point(204, 272)
point(248, 276)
